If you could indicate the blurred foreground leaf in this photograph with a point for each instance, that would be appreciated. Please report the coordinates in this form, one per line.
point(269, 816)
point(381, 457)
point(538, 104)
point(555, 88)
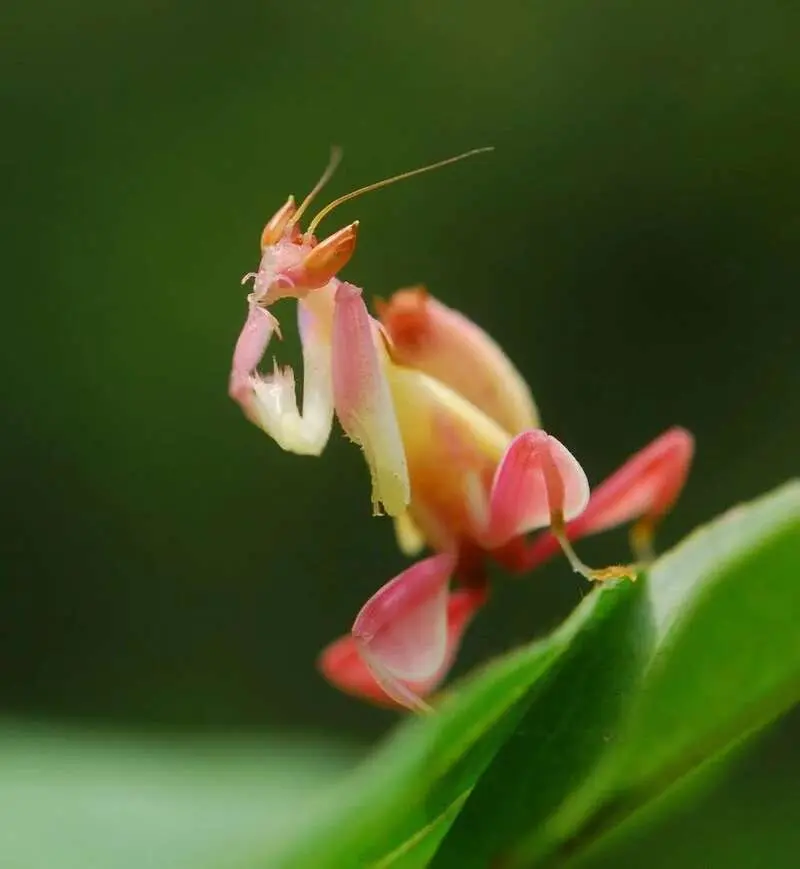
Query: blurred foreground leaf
point(545, 753)
point(93, 801)
point(559, 754)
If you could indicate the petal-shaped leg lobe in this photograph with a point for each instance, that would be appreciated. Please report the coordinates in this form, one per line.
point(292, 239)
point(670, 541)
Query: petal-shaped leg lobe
point(644, 489)
point(406, 636)
point(404, 625)
point(343, 665)
point(648, 484)
point(363, 400)
point(537, 481)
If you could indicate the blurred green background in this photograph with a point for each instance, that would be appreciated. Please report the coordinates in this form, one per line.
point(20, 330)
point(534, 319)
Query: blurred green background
point(633, 243)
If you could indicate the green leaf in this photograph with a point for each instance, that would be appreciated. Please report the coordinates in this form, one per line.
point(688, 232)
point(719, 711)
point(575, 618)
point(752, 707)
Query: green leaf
point(554, 755)
point(544, 752)
point(717, 656)
point(397, 807)
point(565, 731)
point(82, 800)
point(749, 821)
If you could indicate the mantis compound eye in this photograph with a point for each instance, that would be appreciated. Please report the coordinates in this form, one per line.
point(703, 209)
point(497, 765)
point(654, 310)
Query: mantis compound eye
point(276, 225)
point(329, 256)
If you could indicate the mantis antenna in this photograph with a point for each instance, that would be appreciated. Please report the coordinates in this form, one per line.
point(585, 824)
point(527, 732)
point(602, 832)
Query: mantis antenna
point(374, 186)
point(333, 162)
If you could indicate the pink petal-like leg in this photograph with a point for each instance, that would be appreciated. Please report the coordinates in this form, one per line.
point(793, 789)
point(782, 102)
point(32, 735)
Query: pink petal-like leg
point(538, 483)
point(363, 401)
point(343, 665)
point(270, 401)
point(406, 635)
point(250, 346)
point(643, 489)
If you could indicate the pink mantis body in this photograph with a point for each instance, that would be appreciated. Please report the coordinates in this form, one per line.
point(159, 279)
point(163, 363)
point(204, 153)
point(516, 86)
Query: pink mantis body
point(451, 436)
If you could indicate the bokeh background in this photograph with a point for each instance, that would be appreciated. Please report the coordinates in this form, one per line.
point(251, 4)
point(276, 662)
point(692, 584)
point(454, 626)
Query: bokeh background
point(633, 243)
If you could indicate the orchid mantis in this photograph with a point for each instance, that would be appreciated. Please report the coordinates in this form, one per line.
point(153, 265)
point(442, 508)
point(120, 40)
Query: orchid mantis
point(452, 440)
